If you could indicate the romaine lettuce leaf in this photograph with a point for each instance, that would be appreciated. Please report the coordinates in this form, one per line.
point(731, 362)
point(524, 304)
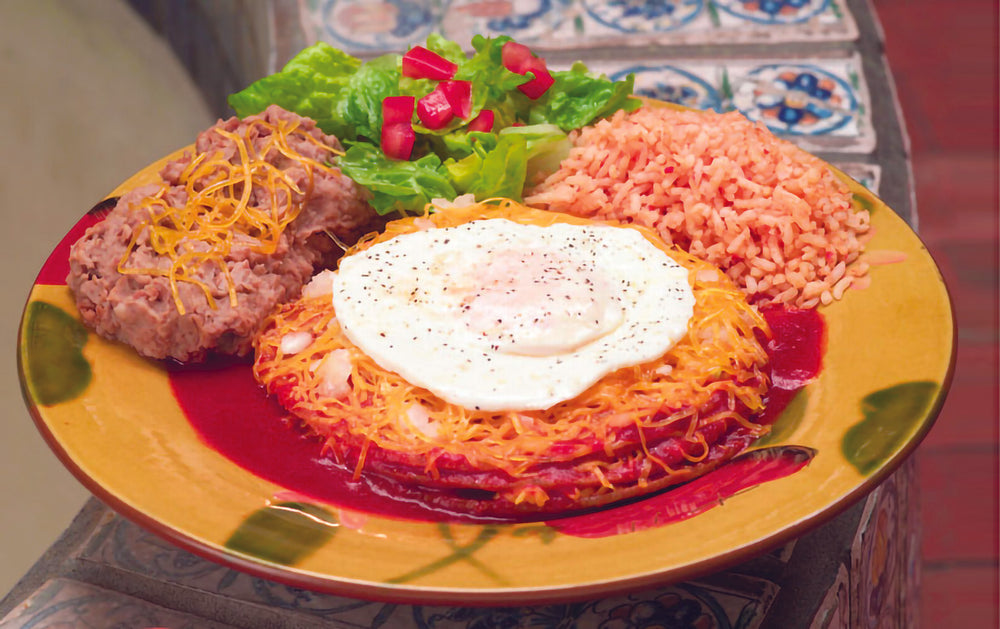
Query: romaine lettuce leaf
point(396, 185)
point(359, 107)
point(311, 85)
point(497, 165)
point(322, 58)
point(502, 170)
point(578, 98)
point(546, 146)
point(493, 85)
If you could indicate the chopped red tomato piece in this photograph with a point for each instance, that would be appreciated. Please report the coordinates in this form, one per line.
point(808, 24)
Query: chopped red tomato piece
point(397, 109)
point(537, 86)
point(482, 122)
point(519, 59)
point(398, 139)
point(434, 110)
point(398, 135)
point(516, 57)
point(459, 94)
point(420, 63)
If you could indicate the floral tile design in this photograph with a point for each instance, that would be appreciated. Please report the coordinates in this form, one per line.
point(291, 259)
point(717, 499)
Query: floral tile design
point(737, 602)
point(911, 531)
point(822, 104)
point(121, 545)
point(364, 27)
point(882, 572)
point(703, 21)
point(64, 603)
point(722, 600)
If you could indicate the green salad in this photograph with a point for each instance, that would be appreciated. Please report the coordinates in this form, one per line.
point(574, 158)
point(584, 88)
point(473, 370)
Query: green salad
point(436, 122)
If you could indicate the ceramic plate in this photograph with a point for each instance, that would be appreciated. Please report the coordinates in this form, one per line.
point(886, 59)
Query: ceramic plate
point(114, 421)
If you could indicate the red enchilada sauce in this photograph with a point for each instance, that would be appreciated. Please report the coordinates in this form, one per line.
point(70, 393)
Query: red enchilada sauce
point(251, 429)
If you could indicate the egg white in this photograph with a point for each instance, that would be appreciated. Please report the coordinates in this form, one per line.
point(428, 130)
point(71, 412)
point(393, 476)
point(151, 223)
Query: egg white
point(494, 315)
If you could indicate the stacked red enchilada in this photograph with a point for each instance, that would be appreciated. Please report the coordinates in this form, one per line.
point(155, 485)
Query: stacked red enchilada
point(634, 429)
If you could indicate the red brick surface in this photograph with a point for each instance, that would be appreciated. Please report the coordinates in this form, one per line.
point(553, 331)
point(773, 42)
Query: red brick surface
point(943, 57)
point(959, 598)
point(958, 492)
point(944, 61)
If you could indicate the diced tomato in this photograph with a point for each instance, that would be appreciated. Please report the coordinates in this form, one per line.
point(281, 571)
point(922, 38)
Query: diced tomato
point(482, 122)
point(397, 109)
point(537, 86)
point(434, 110)
point(518, 59)
point(459, 95)
point(398, 139)
point(398, 135)
point(420, 63)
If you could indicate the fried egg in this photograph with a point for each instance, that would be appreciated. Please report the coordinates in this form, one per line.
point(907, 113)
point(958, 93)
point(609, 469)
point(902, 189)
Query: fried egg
point(495, 315)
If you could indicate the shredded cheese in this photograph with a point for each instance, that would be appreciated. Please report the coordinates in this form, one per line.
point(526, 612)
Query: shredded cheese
point(245, 200)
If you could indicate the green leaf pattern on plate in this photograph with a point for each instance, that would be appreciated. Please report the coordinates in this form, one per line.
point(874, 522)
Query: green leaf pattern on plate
point(284, 533)
point(287, 532)
point(458, 553)
point(55, 369)
point(864, 202)
point(889, 417)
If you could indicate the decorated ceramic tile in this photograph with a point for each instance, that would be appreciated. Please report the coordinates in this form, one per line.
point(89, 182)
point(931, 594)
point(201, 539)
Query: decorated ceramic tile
point(122, 545)
point(777, 11)
point(696, 605)
point(724, 600)
point(65, 604)
point(822, 104)
point(813, 99)
point(835, 610)
point(704, 21)
point(911, 531)
point(526, 20)
point(878, 559)
point(359, 26)
point(373, 27)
